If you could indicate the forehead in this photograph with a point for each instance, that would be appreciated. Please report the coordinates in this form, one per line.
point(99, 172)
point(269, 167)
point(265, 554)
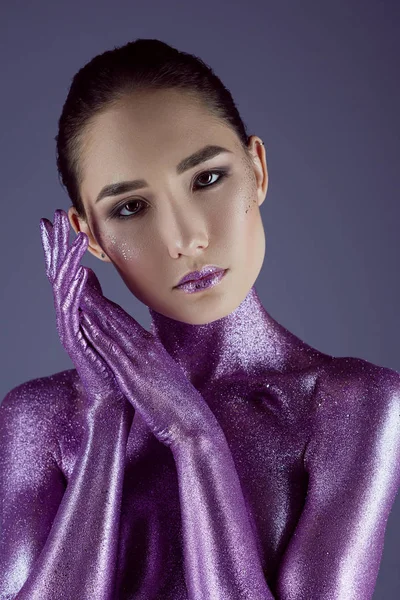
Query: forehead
point(144, 133)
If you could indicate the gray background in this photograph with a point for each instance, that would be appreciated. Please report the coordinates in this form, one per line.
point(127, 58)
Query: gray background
point(317, 81)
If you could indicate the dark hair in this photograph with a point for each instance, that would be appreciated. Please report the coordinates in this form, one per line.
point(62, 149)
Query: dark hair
point(144, 64)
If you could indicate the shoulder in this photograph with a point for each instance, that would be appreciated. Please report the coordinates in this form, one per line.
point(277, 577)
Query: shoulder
point(356, 409)
point(353, 464)
point(41, 402)
point(358, 385)
point(34, 418)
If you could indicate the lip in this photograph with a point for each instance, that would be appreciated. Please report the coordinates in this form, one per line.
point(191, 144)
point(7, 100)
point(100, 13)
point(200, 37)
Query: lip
point(196, 275)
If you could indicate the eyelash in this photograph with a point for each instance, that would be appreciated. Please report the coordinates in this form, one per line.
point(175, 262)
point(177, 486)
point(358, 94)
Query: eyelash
point(114, 213)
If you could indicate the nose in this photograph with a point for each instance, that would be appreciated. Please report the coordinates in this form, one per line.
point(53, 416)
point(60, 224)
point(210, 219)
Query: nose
point(184, 232)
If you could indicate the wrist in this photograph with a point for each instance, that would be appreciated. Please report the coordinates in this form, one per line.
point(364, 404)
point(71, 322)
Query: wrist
point(110, 412)
point(201, 442)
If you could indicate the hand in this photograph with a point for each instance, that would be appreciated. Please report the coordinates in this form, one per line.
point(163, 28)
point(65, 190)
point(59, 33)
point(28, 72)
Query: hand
point(149, 377)
point(68, 280)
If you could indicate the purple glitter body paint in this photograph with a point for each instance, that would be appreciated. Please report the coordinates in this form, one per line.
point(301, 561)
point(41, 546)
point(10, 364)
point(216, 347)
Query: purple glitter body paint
point(285, 493)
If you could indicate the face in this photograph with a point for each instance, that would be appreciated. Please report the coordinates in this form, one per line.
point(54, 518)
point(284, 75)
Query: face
point(175, 222)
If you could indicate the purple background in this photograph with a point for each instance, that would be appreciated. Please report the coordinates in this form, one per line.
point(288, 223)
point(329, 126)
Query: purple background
point(317, 81)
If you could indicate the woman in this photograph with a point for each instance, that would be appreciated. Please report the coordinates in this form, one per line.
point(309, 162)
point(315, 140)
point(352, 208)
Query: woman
point(216, 456)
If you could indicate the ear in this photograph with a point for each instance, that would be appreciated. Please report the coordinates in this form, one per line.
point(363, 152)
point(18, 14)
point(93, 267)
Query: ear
point(257, 150)
point(79, 224)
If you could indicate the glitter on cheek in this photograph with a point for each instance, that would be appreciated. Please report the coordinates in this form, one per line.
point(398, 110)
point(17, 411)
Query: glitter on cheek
point(120, 248)
point(248, 187)
point(126, 250)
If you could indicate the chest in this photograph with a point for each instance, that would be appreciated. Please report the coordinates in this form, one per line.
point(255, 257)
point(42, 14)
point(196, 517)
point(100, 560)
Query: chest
point(266, 435)
point(267, 442)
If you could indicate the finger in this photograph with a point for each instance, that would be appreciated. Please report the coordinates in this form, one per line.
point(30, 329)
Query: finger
point(114, 360)
point(95, 303)
point(112, 315)
point(75, 318)
point(69, 307)
point(61, 231)
point(74, 295)
point(46, 234)
point(108, 349)
point(93, 281)
point(96, 299)
point(109, 327)
point(93, 356)
point(67, 270)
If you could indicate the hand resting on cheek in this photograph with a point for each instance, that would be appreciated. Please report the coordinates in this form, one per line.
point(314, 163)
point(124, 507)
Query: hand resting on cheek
point(114, 355)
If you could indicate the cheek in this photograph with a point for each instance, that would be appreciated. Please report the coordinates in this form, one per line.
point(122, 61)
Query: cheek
point(238, 211)
point(242, 223)
point(117, 242)
point(133, 260)
point(124, 247)
point(249, 190)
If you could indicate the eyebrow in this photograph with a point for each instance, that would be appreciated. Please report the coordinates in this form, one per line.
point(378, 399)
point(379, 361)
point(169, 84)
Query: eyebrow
point(206, 153)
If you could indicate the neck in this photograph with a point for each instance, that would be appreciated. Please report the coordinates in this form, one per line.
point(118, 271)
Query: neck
point(246, 340)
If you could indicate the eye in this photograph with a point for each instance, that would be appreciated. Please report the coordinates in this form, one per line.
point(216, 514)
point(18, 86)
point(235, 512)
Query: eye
point(116, 213)
point(208, 173)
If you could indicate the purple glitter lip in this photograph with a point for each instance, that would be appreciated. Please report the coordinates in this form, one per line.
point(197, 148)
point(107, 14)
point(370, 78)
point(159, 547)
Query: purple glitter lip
point(205, 272)
point(203, 283)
